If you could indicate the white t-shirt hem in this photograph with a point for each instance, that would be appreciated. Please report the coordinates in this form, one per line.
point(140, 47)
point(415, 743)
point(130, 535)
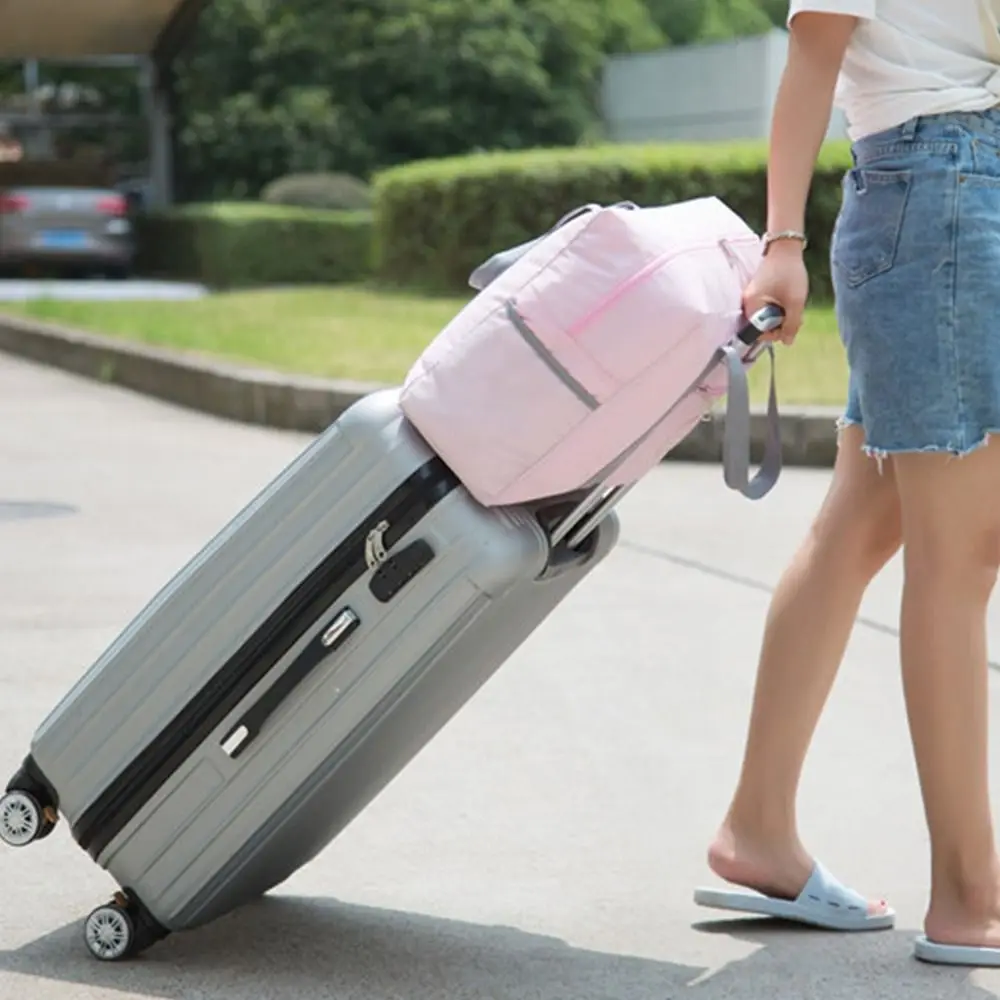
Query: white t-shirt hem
point(896, 113)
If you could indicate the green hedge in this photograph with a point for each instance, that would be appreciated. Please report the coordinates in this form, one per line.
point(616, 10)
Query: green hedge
point(437, 220)
point(327, 191)
point(244, 244)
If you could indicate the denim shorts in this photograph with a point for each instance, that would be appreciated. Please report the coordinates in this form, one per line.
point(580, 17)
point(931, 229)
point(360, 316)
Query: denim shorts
point(916, 271)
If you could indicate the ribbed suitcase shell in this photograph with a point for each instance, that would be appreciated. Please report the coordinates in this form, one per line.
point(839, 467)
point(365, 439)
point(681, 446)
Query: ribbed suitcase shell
point(142, 762)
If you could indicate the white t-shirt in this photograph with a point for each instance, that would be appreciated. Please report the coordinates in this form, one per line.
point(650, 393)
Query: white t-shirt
point(914, 57)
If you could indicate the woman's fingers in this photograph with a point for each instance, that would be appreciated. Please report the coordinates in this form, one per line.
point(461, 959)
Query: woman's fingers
point(781, 280)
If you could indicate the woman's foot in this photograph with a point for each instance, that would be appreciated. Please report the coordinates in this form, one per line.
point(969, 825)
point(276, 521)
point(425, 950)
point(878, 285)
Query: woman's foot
point(773, 868)
point(966, 915)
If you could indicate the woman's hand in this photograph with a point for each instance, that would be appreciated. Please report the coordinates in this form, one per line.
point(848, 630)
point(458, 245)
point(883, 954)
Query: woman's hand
point(780, 280)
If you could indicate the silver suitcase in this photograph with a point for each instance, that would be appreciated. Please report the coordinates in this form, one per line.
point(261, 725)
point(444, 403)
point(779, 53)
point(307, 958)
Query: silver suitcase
point(275, 686)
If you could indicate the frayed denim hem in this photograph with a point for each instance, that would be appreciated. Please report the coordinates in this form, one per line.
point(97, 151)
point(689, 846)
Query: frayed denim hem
point(844, 422)
point(881, 454)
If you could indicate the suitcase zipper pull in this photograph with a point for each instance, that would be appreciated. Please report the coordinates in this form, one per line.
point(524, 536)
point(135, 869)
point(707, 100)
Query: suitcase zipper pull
point(329, 640)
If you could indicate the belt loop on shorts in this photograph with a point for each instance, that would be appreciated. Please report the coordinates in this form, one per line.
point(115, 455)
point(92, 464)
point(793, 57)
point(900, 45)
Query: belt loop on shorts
point(908, 130)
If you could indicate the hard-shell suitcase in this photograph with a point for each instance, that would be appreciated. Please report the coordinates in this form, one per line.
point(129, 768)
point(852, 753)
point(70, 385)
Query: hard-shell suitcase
point(274, 687)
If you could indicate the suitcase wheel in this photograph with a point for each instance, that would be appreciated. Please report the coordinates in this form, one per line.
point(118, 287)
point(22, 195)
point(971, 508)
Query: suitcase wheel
point(23, 820)
point(110, 933)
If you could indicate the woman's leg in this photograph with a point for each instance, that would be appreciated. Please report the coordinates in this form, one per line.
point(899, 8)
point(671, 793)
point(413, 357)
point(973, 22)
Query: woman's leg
point(855, 533)
point(951, 526)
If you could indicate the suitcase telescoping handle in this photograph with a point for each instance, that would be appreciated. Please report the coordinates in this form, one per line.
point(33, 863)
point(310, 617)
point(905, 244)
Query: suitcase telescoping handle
point(600, 500)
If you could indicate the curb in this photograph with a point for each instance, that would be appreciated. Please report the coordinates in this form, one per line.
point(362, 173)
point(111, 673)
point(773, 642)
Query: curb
point(308, 405)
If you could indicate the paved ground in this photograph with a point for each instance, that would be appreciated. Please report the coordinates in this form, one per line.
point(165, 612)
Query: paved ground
point(13, 290)
point(546, 844)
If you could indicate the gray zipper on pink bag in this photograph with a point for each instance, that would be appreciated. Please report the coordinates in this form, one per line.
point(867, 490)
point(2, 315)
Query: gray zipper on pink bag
point(551, 361)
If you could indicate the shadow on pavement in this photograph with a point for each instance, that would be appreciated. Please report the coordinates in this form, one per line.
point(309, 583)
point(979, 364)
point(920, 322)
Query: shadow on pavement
point(309, 948)
point(795, 961)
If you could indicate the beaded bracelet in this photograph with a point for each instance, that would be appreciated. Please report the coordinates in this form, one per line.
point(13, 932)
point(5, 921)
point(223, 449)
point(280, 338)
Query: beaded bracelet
point(786, 234)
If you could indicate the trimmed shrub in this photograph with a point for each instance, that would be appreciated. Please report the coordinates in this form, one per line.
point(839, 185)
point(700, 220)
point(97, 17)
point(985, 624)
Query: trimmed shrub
point(229, 245)
point(336, 192)
point(438, 219)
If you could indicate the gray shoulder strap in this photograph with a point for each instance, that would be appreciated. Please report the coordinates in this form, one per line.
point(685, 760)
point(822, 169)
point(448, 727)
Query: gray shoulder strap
point(736, 438)
point(489, 271)
point(735, 452)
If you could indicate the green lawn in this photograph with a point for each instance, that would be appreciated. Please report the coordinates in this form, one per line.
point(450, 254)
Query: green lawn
point(369, 334)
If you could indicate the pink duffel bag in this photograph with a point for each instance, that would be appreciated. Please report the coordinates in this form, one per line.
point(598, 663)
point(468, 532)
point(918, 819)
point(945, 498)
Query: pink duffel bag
point(591, 352)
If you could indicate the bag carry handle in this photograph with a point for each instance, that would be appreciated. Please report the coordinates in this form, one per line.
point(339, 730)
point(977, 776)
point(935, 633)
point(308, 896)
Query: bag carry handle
point(503, 260)
point(600, 501)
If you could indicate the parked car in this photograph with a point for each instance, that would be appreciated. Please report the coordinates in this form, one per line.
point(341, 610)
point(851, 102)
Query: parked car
point(66, 228)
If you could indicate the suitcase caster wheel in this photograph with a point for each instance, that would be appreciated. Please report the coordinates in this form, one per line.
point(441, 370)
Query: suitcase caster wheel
point(23, 820)
point(110, 933)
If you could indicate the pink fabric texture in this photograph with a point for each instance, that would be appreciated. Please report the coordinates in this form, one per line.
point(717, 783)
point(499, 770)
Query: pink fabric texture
point(569, 357)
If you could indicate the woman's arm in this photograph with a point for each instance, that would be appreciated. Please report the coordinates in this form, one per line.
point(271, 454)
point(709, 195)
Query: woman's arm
point(816, 48)
point(817, 43)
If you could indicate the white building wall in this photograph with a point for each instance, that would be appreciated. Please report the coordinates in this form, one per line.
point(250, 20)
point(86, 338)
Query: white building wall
point(697, 93)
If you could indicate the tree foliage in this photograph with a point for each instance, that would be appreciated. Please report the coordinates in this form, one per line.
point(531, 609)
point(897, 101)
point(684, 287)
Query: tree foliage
point(776, 10)
point(278, 86)
point(725, 19)
point(688, 21)
point(10, 77)
point(274, 87)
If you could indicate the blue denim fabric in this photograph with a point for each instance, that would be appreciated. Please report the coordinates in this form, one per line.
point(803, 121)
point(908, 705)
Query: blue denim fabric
point(916, 270)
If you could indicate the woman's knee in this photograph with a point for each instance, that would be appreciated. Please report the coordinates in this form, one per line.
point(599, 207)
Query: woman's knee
point(860, 522)
point(938, 558)
point(865, 536)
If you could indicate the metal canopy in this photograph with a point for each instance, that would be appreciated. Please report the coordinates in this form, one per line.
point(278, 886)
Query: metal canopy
point(69, 29)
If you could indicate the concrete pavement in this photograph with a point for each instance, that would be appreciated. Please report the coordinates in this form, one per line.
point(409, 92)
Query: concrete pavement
point(98, 290)
point(546, 844)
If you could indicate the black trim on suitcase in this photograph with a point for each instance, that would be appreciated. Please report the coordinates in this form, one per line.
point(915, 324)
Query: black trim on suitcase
point(330, 639)
point(401, 511)
point(148, 930)
point(30, 779)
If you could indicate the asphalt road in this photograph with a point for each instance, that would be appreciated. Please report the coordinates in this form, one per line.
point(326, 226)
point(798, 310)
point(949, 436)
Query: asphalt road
point(546, 844)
